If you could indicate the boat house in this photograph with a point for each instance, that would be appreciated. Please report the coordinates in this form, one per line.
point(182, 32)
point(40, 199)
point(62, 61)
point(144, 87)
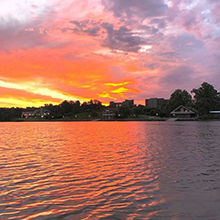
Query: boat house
point(183, 112)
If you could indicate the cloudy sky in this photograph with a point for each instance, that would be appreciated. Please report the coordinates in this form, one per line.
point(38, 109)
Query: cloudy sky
point(58, 50)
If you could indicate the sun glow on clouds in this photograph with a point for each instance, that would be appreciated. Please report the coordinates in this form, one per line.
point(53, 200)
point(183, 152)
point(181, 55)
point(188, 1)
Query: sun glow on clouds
point(117, 84)
point(37, 88)
point(121, 90)
point(10, 102)
point(104, 49)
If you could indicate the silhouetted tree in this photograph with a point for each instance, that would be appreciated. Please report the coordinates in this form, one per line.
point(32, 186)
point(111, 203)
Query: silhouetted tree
point(94, 114)
point(65, 108)
point(138, 110)
point(9, 114)
point(85, 107)
point(97, 105)
point(206, 98)
point(76, 107)
point(124, 111)
point(180, 97)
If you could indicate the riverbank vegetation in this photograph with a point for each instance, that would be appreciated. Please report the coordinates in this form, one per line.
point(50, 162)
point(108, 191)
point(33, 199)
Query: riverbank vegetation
point(204, 99)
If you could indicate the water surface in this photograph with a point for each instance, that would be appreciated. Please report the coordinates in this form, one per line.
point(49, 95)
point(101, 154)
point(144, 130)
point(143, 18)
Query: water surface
point(110, 170)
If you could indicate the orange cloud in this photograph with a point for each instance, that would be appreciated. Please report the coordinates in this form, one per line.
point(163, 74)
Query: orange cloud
point(90, 50)
point(11, 96)
point(117, 84)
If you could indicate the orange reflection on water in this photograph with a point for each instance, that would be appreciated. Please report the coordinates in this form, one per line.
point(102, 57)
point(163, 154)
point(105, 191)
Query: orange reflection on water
point(42, 214)
point(89, 169)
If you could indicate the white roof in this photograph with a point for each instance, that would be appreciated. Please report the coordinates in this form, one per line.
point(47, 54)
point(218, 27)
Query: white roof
point(188, 110)
point(214, 112)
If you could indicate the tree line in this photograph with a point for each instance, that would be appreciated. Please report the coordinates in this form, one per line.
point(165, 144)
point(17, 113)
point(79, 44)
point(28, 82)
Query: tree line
point(205, 99)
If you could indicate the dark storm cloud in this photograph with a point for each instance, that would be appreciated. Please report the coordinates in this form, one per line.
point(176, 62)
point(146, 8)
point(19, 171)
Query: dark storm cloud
point(14, 35)
point(178, 76)
point(189, 21)
point(83, 27)
point(185, 45)
point(150, 30)
point(122, 39)
point(168, 57)
point(161, 23)
point(140, 8)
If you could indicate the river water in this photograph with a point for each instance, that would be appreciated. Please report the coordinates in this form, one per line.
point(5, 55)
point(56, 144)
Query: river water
point(110, 170)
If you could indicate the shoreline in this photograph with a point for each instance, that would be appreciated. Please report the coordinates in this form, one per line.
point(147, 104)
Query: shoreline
point(115, 120)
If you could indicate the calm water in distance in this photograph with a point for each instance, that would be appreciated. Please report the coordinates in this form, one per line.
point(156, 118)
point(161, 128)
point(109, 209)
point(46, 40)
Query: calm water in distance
point(110, 170)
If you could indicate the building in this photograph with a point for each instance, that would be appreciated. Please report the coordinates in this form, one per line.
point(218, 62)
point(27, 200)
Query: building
point(183, 112)
point(118, 104)
point(42, 113)
point(129, 103)
point(108, 114)
point(155, 102)
point(28, 114)
point(38, 113)
point(113, 104)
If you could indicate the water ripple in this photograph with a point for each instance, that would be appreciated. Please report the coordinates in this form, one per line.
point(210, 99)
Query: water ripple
point(110, 171)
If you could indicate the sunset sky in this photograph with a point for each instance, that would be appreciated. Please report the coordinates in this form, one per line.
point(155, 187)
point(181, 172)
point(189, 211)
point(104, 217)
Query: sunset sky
point(58, 50)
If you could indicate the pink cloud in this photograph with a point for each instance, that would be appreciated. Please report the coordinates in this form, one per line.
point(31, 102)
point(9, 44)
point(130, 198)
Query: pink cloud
point(79, 48)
